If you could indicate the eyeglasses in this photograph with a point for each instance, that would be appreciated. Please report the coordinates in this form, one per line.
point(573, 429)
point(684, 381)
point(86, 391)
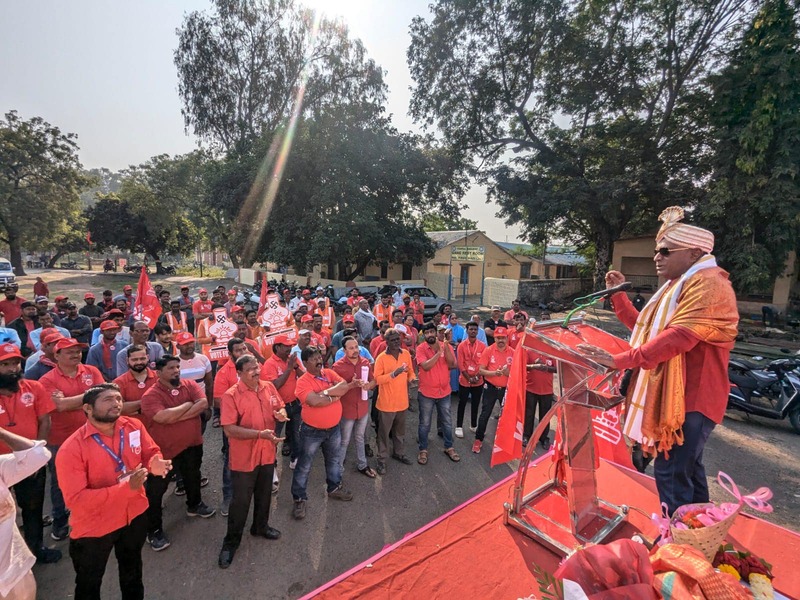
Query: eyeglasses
point(668, 251)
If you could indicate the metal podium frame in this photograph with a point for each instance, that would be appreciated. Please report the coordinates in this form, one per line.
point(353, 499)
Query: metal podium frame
point(584, 385)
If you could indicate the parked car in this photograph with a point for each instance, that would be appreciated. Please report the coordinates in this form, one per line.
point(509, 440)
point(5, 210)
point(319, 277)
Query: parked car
point(433, 303)
point(6, 274)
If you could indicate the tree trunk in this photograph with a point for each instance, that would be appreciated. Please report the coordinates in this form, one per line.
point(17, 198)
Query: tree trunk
point(156, 260)
point(360, 268)
point(54, 259)
point(603, 248)
point(16, 255)
point(234, 259)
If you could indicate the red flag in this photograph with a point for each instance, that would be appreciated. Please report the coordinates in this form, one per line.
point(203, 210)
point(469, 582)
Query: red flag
point(508, 438)
point(147, 308)
point(89, 237)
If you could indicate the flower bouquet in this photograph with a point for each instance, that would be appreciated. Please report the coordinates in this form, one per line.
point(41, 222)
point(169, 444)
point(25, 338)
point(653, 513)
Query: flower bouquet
point(746, 567)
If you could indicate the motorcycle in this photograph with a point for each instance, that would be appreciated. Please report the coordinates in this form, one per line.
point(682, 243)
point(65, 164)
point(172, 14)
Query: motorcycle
point(772, 391)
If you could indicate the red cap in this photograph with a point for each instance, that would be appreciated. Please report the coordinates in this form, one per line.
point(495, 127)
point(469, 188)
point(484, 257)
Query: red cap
point(184, 338)
point(306, 319)
point(9, 351)
point(237, 308)
point(69, 343)
point(231, 292)
point(348, 319)
point(284, 340)
point(501, 332)
point(115, 311)
point(106, 325)
point(184, 287)
point(88, 295)
point(59, 298)
point(202, 291)
point(51, 337)
point(126, 288)
point(306, 291)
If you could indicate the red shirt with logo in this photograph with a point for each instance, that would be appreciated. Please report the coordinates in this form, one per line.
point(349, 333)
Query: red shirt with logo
point(353, 407)
point(273, 368)
point(539, 382)
point(434, 383)
point(132, 390)
point(327, 415)
point(24, 408)
point(64, 424)
point(227, 376)
point(173, 438)
point(494, 359)
point(468, 355)
point(252, 409)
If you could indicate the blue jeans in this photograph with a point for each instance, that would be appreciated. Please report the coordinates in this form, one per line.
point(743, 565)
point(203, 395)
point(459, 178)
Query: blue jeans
point(681, 478)
point(443, 417)
point(311, 439)
point(348, 428)
point(59, 512)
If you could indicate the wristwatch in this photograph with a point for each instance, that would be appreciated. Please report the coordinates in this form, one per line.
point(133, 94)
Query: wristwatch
point(326, 394)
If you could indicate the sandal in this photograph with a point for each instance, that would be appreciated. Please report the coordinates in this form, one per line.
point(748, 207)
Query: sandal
point(368, 472)
point(452, 454)
point(215, 422)
point(423, 457)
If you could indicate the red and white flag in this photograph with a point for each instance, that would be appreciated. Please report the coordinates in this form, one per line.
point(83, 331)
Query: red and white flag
point(508, 438)
point(146, 308)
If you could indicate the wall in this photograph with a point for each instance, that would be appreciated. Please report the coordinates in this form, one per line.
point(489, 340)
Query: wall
point(549, 290)
point(635, 248)
point(500, 292)
point(438, 283)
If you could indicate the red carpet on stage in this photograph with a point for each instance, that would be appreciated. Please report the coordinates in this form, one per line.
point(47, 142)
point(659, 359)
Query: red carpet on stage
point(470, 553)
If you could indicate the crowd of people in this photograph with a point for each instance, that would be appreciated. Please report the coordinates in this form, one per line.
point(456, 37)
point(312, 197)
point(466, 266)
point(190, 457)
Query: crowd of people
point(119, 407)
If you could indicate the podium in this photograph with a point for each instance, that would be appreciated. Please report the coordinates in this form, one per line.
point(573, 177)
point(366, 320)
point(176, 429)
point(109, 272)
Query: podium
point(566, 512)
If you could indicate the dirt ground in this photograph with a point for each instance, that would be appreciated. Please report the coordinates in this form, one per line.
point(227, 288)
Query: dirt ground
point(336, 536)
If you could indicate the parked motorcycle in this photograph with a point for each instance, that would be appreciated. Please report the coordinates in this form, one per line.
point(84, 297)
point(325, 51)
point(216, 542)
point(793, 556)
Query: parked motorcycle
point(772, 391)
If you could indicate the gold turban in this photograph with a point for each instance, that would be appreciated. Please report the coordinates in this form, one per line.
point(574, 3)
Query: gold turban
point(681, 234)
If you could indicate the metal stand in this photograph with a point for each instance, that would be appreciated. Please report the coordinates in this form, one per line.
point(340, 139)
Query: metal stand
point(566, 512)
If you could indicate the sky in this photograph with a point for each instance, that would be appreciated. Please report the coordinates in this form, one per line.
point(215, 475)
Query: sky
point(104, 71)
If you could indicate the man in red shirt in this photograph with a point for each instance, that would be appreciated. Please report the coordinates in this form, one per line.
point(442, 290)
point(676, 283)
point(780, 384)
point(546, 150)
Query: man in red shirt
point(494, 366)
point(134, 382)
point(10, 307)
point(250, 410)
point(65, 385)
point(319, 391)
point(202, 308)
point(538, 393)
point(515, 310)
point(173, 407)
point(40, 288)
point(435, 358)
point(103, 466)
point(355, 408)
point(282, 369)
point(516, 334)
point(25, 410)
point(470, 381)
point(680, 346)
point(378, 343)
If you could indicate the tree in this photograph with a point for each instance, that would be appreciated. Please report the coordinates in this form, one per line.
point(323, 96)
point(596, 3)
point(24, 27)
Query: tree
point(40, 182)
point(436, 222)
point(581, 117)
point(753, 204)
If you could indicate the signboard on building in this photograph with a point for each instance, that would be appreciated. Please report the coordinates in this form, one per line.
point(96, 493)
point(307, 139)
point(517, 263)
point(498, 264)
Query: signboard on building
point(468, 253)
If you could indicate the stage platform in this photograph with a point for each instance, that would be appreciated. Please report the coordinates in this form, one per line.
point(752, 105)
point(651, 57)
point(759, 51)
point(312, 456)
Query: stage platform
point(470, 553)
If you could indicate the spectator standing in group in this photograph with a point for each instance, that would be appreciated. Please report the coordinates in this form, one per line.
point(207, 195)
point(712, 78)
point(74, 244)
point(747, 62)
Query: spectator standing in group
point(515, 310)
point(140, 333)
point(40, 288)
point(79, 326)
point(494, 366)
point(27, 322)
point(282, 369)
point(493, 322)
point(91, 310)
point(135, 380)
point(538, 395)
point(43, 361)
point(103, 355)
point(470, 381)
point(365, 322)
point(11, 307)
point(187, 303)
point(46, 326)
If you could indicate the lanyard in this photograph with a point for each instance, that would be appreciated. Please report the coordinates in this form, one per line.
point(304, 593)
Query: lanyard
point(116, 457)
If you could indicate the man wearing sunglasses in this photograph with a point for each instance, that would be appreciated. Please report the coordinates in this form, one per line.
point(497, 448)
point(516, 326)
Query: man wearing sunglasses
point(679, 353)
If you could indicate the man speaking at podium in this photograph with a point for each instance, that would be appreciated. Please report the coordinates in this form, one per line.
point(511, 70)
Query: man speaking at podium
point(680, 344)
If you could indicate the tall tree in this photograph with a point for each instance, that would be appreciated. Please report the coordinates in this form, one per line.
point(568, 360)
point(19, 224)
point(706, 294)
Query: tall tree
point(40, 182)
point(579, 116)
point(754, 200)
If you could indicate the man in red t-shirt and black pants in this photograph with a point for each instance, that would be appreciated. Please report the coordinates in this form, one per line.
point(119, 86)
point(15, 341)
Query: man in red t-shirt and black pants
point(538, 393)
point(494, 366)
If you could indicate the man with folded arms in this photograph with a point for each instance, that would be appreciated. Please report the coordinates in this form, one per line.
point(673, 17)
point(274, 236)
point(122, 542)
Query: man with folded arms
point(250, 410)
point(173, 407)
point(103, 466)
point(135, 381)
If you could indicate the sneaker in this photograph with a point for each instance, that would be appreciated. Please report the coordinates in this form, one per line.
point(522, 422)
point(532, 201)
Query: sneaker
point(203, 482)
point(293, 464)
point(158, 541)
point(525, 442)
point(59, 533)
point(47, 520)
point(47, 556)
point(225, 507)
point(286, 450)
point(299, 510)
point(341, 494)
point(179, 489)
point(459, 432)
point(476, 447)
point(276, 485)
point(201, 510)
point(474, 428)
point(368, 451)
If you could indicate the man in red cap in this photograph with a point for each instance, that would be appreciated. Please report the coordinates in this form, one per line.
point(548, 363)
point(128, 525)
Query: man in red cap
point(231, 301)
point(494, 366)
point(202, 308)
point(43, 361)
point(65, 385)
point(61, 305)
point(282, 369)
point(129, 297)
point(103, 354)
point(25, 410)
point(91, 310)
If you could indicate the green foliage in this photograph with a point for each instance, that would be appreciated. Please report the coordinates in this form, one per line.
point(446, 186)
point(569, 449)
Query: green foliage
point(40, 183)
point(436, 222)
point(582, 117)
point(754, 201)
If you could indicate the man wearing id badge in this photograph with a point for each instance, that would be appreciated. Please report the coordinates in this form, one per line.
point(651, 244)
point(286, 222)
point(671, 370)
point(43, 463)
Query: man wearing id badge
point(102, 468)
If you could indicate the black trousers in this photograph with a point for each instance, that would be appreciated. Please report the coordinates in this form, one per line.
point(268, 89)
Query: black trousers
point(30, 497)
point(90, 556)
point(490, 397)
point(292, 426)
point(544, 402)
point(188, 463)
point(257, 485)
point(471, 394)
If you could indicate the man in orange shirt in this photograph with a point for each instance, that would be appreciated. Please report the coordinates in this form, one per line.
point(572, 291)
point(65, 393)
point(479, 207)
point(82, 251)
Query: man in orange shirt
point(470, 381)
point(538, 393)
point(321, 338)
point(319, 391)
point(516, 334)
point(393, 372)
point(378, 343)
point(353, 299)
point(383, 310)
point(418, 310)
point(494, 366)
point(25, 410)
point(282, 369)
point(134, 382)
point(250, 410)
point(435, 358)
point(65, 385)
point(103, 466)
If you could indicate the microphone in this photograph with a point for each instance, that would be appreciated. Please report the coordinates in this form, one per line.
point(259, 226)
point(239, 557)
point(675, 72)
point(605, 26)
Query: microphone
point(609, 292)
